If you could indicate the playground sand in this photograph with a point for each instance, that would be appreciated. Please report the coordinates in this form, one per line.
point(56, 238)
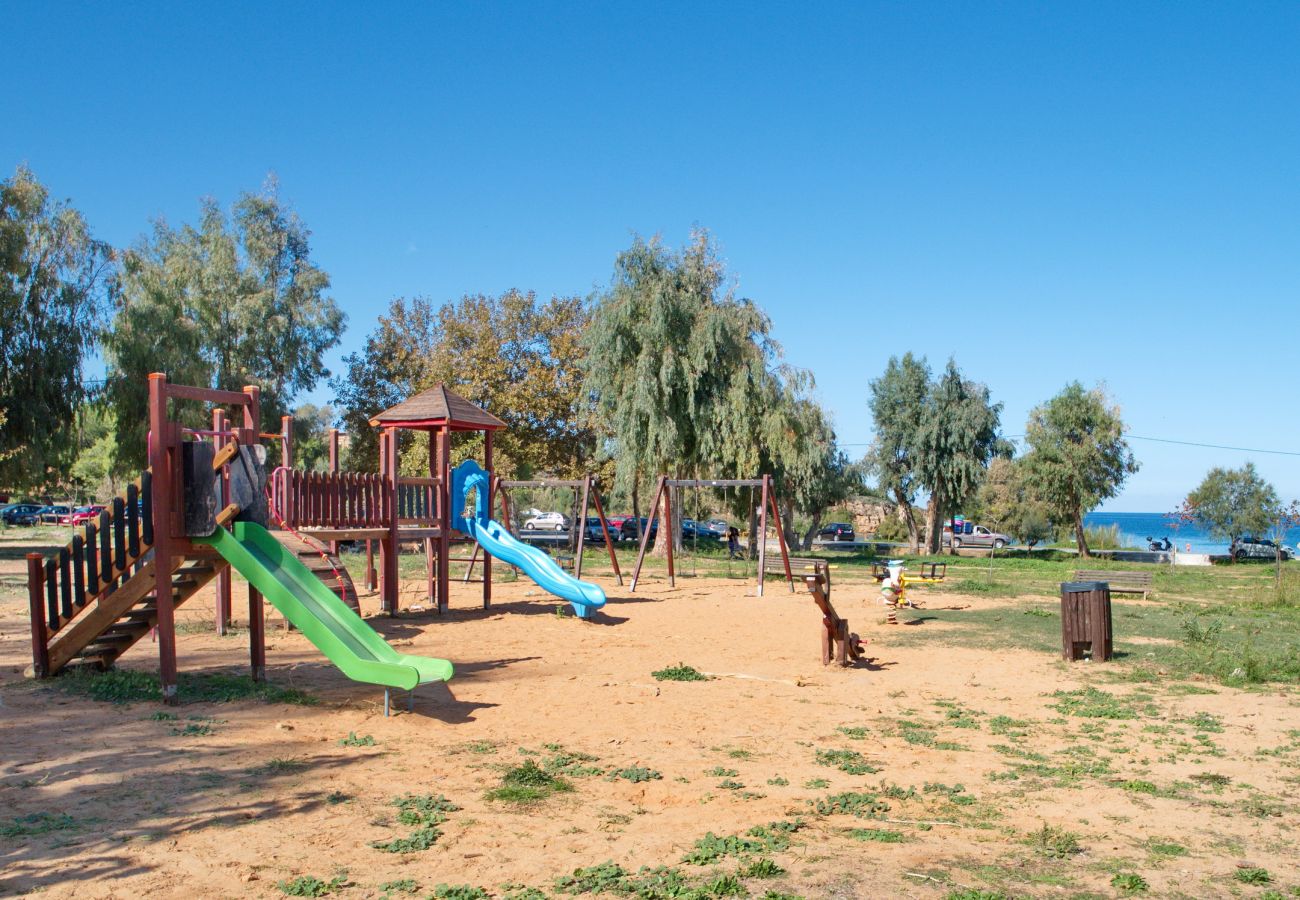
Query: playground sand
point(256, 794)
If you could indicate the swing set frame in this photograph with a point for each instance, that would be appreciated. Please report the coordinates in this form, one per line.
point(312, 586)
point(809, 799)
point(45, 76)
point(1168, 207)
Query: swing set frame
point(663, 501)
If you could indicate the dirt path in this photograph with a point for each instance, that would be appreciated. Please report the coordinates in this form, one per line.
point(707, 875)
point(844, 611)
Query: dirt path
point(229, 799)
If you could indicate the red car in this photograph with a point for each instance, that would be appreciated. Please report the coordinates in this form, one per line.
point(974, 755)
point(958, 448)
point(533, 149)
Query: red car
point(81, 515)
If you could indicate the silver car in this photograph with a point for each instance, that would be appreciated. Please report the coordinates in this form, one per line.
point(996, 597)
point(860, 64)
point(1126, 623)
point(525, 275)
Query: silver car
point(979, 536)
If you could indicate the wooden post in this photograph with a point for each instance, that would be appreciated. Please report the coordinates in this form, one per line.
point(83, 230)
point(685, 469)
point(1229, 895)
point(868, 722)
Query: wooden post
point(673, 533)
point(604, 528)
point(645, 533)
point(164, 494)
point(334, 470)
point(223, 604)
point(487, 557)
point(780, 530)
point(582, 526)
point(286, 441)
point(36, 607)
point(762, 536)
point(388, 547)
point(434, 501)
point(256, 635)
point(443, 491)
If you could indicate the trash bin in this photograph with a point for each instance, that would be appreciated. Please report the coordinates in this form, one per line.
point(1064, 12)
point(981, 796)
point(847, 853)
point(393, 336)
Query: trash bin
point(1085, 620)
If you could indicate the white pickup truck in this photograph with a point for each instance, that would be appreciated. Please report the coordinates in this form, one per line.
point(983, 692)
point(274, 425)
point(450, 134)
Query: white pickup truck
point(979, 536)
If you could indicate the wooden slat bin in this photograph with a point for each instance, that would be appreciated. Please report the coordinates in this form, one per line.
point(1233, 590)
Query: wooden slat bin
point(1085, 620)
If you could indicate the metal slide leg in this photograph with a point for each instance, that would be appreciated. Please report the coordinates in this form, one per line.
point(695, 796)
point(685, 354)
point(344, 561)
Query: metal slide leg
point(385, 701)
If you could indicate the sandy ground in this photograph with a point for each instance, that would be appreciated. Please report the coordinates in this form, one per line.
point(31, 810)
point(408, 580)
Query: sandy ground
point(270, 793)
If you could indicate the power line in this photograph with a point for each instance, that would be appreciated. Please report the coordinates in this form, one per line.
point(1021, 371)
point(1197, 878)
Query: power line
point(1139, 437)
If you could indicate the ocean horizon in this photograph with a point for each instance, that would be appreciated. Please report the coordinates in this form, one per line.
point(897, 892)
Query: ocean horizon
point(1136, 527)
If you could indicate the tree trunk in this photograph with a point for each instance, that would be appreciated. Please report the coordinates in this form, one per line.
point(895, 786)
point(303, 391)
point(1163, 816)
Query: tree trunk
point(908, 515)
point(665, 532)
point(751, 546)
point(787, 523)
point(1080, 538)
point(816, 526)
point(933, 523)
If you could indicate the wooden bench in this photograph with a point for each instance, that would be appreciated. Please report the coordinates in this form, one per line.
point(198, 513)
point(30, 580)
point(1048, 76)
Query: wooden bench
point(838, 642)
point(1120, 582)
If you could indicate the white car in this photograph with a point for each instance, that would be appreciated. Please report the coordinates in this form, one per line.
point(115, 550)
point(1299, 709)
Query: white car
point(547, 521)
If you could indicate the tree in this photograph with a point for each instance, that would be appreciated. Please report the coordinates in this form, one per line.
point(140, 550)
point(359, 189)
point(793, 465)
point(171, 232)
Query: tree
point(897, 401)
point(514, 355)
point(236, 301)
point(1231, 503)
point(91, 474)
point(1077, 454)
point(1007, 502)
point(311, 437)
point(812, 474)
point(679, 368)
point(56, 283)
point(957, 438)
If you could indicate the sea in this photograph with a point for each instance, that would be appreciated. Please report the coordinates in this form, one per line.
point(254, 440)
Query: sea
point(1135, 528)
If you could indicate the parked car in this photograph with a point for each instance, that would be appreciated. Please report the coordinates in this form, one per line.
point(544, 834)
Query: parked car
point(698, 531)
point(1257, 548)
point(629, 528)
point(837, 531)
point(719, 525)
point(596, 535)
point(83, 514)
point(54, 515)
point(22, 514)
point(976, 536)
point(547, 521)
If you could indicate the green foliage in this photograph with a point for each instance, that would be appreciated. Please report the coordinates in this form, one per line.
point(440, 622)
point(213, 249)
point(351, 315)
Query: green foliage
point(849, 761)
point(1090, 703)
point(1055, 842)
point(1253, 875)
point(1230, 503)
point(1129, 883)
point(680, 672)
point(236, 300)
point(425, 812)
point(636, 774)
point(851, 803)
point(897, 401)
point(1009, 503)
point(134, 686)
point(528, 783)
point(1077, 454)
point(975, 894)
point(56, 284)
point(761, 868)
point(957, 439)
point(607, 877)
point(724, 886)
point(878, 835)
point(515, 355)
point(401, 886)
point(459, 892)
point(311, 886)
point(311, 435)
point(37, 823)
point(352, 740)
point(722, 772)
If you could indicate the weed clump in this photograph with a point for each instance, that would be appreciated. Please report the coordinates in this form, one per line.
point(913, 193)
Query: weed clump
point(425, 813)
point(528, 783)
point(680, 672)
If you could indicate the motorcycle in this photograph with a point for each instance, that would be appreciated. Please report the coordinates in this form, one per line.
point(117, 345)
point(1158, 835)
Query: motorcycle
point(1164, 546)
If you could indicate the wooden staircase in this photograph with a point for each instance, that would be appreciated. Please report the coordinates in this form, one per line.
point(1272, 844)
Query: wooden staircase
point(120, 619)
point(324, 565)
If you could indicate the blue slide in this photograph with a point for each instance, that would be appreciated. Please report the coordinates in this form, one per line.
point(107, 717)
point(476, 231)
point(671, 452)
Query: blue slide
point(585, 597)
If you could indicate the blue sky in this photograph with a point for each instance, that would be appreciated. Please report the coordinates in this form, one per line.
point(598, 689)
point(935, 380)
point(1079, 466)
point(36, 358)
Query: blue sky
point(1106, 192)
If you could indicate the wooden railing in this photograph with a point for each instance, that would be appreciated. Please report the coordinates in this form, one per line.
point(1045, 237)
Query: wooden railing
point(333, 500)
point(100, 556)
point(417, 501)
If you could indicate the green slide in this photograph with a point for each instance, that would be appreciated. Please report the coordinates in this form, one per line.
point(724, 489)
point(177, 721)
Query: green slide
point(338, 632)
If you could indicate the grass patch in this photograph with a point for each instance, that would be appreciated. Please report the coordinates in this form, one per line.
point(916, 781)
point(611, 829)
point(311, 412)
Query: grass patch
point(1129, 883)
point(459, 892)
point(134, 686)
point(352, 740)
point(1091, 703)
point(848, 761)
point(1054, 842)
point(877, 835)
point(424, 812)
point(311, 886)
point(528, 783)
point(680, 672)
point(635, 774)
point(37, 823)
point(851, 803)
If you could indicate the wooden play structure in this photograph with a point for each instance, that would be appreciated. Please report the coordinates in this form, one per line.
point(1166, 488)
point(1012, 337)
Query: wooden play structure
point(123, 574)
point(662, 505)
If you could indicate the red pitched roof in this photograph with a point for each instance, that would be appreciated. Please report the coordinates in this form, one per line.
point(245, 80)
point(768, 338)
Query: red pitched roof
point(439, 405)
